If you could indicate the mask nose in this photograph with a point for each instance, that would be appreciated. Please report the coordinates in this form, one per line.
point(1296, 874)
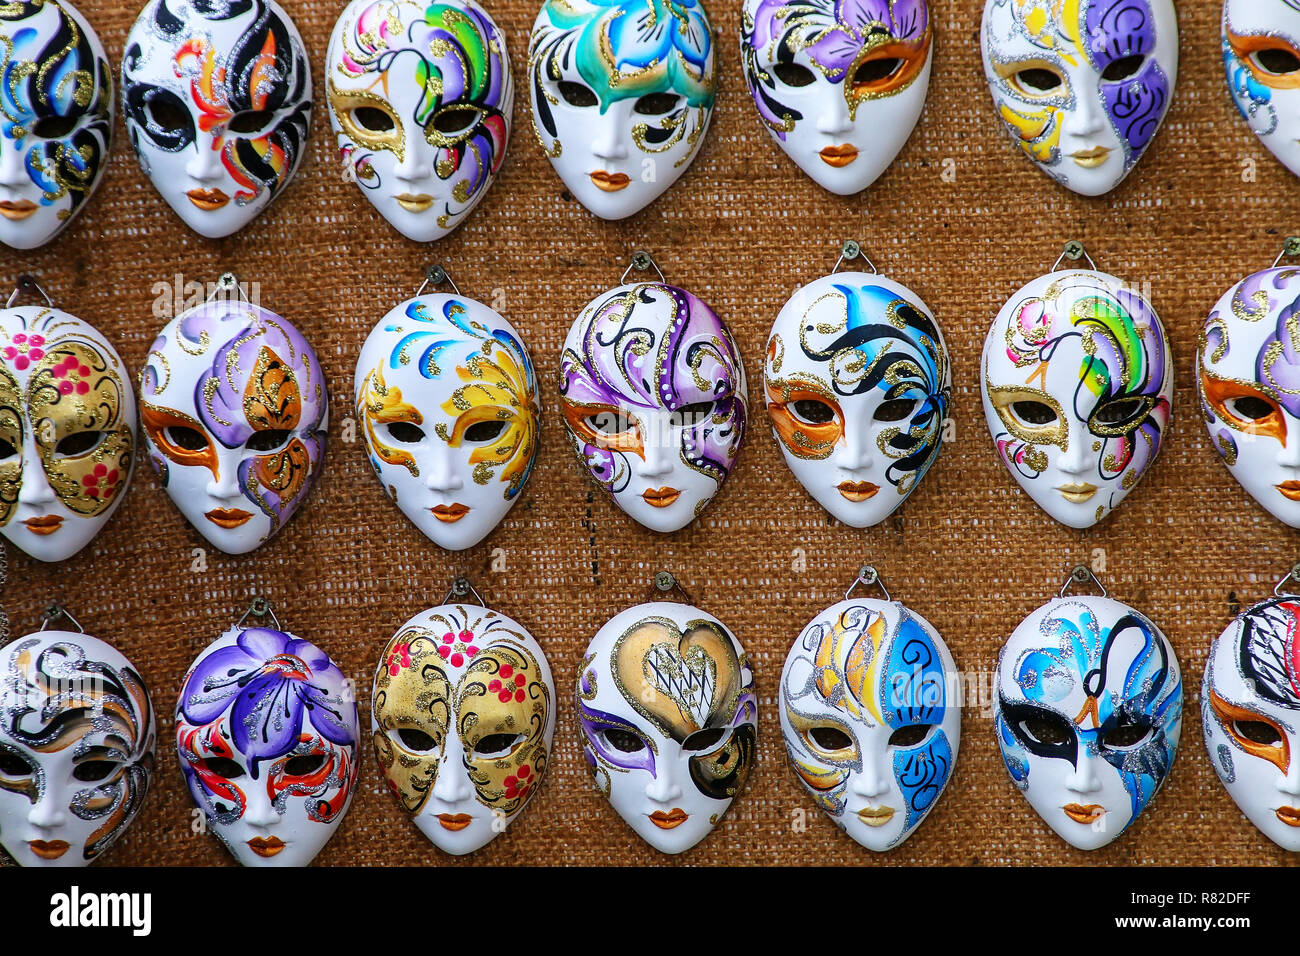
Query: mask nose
point(441, 474)
point(13, 171)
point(1289, 782)
point(414, 166)
point(225, 484)
point(663, 788)
point(1084, 778)
point(1090, 117)
point(46, 814)
point(205, 165)
point(451, 785)
point(1288, 455)
point(610, 132)
point(834, 120)
point(658, 446)
point(259, 811)
point(35, 487)
point(873, 781)
point(1078, 455)
point(855, 454)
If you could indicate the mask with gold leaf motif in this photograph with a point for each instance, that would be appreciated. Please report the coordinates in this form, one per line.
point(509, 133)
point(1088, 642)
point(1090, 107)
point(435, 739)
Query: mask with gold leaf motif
point(235, 411)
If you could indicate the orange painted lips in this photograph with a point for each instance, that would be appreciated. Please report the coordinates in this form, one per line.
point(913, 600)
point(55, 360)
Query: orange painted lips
point(450, 513)
point(610, 182)
point(266, 847)
point(454, 821)
point(1290, 489)
point(660, 497)
point(208, 199)
point(857, 490)
point(673, 818)
point(839, 156)
point(227, 517)
point(1080, 813)
point(49, 849)
point(1289, 815)
point(17, 210)
point(44, 525)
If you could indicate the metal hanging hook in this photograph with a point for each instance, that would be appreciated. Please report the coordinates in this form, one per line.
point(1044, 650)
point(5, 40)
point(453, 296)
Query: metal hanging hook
point(436, 275)
point(27, 283)
point(56, 611)
point(1074, 251)
point(1081, 574)
point(664, 584)
point(460, 587)
point(642, 261)
point(1294, 577)
point(260, 607)
point(1289, 250)
point(868, 576)
point(851, 249)
point(227, 285)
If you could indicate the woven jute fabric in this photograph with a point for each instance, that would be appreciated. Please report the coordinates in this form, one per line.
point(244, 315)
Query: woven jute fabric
point(961, 217)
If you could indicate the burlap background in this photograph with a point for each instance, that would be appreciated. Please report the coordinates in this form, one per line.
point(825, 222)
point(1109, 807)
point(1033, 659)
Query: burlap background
point(742, 229)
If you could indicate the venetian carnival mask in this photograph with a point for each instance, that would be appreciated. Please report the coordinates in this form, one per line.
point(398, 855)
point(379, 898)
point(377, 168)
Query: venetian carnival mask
point(1261, 54)
point(1082, 86)
point(218, 106)
point(1248, 376)
point(1087, 711)
point(420, 96)
point(235, 412)
point(67, 431)
point(464, 716)
point(858, 387)
point(839, 84)
point(266, 732)
point(869, 722)
point(1250, 714)
point(622, 93)
point(1077, 388)
point(76, 747)
point(669, 720)
point(653, 396)
point(448, 401)
point(56, 118)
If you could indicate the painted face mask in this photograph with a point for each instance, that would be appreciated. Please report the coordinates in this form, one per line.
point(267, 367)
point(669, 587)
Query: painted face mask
point(448, 402)
point(622, 93)
point(869, 725)
point(420, 97)
point(218, 107)
point(266, 732)
point(464, 715)
point(1088, 710)
point(1261, 54)
point(669, 720)
point(1077, 389)
point(76, 747)
point(56, 118)
point(839, 84)
point(1250, 714)
point(67, 431)
point(1082, 86)
point(858, 387)
point(1248, 376)
point(235, 412)
point(653, 395)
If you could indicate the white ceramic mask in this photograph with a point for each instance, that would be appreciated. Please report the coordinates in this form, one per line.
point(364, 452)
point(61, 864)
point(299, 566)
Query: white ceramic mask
point(234, 408)
point(218, 106)
point(1261, 54)
point(1088, 708)
point(420, 97)
point(1077, 387)
point(76, 747)
point(1250, 715)
point(622, 94)
point(653, 395)
point(1248, 376)
point(839, 84)
point(67, 431)
point(858, 386)
point(448, 402)
point(464, 716)
point(870, 723)
point(266, 733)
point(56, 118)
point(1083, 86)
point(669, 720)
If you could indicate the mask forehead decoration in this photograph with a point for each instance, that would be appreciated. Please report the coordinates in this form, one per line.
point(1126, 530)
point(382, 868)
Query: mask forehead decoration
point(67, 431)
point(839, 84)
point(235, 414)
point(1081, 86)
point(218, 106)
point(56, 118)
point(1261, 55)
point(266, 732)
point(1087, 712)
point(669, 720)
point(76, 747)
point(858, 385)
point(464, 717)
point(448, 399)
point(420, 97)
point(869, 727)
point(1250, 713)
point(1248, 379)
point(622, 94)
point(653, 395)
point(1077, 388)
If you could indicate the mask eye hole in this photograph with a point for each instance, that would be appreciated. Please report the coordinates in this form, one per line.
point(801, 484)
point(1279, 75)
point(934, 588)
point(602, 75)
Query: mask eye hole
point(1033, 413)
point(705, 739)
point(1123, 68)
point(1249, 408)
point(456, 119)
point(496, 746)
point(871, 72)
point(830, 738)
point(792, 74)
point(577, 94)
point(186, 438)
point(165, 112)
point(54, 127)
point(406, 433)
point(1045, 730)
point(1277, 61)
point(82, 443)
point(12, 765)
point(1258, 732)
point(810, 411)
point(1038, 81)
point(610, 423)
point(481, 432)
point(1120, 411)
point(221, 767)
point(304, 765)
point(1125, 737)
point(373, 119)
point(94, 771)
point(623, 741)
point(7, 449)
point(251, 122)
point(416, 741)
point(696, 413)
point(909, 736)
point(272, 439)
point(656, 104)
point(896, 410)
